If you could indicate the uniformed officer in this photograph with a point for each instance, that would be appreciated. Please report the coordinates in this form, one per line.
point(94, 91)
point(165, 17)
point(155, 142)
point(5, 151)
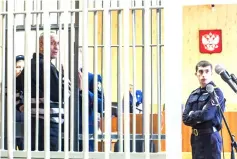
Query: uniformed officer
point(203, 115)
point(54, 94)
point(19, 100)
point(138, 101)
point(91, 104)
point(19, 95)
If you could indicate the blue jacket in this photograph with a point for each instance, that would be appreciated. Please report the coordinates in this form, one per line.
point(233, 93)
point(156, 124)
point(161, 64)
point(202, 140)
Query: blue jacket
point(205, 114)
point(91, 102)
point(139, 98)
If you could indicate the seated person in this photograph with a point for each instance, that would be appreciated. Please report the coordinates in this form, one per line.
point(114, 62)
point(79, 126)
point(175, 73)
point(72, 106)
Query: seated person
point(138, 99)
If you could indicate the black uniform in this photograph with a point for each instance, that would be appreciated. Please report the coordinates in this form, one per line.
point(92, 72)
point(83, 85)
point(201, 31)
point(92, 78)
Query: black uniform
point(54, 102)
point(205, 121)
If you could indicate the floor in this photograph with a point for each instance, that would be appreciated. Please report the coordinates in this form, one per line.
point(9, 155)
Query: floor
point(187, 155)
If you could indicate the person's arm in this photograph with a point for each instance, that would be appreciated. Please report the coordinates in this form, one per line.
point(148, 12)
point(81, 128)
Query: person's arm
point(209, 110)
point(20, 93)
point(54, 84)
point(100, 98)
point(186, 114)
point(139, 97)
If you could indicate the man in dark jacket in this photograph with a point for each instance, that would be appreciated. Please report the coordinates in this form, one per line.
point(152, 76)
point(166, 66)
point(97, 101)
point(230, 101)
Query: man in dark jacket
point(204, 117)
point(54, 95)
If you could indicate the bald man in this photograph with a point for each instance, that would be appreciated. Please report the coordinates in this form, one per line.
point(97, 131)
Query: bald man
point(54, 94)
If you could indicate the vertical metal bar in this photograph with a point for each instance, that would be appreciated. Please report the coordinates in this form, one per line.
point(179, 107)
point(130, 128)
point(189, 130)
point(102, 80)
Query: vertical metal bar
point(107, 76)
point(60, 83)
point(159, 86)
point(72, 59)
point(10, 83)
point(80, 40)
point(95, 70)
point(146, 77)
point(152, 80)
point(85, 101)
point(120, 82)
point(58, 8)
point(33, 8)
point(3, 102)
point(37, 75)
point(14, 81)
point(102, 67)
point(126, 79)
point(173, 50)
point(14, 77)
point(27, 80)
point(41, 15)
point(134, 76)
point(76, 96)
point(45, 7)
point(60, 77)
point(66, 78)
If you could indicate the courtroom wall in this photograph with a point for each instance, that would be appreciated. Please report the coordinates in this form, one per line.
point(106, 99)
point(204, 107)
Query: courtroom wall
point(224, 17)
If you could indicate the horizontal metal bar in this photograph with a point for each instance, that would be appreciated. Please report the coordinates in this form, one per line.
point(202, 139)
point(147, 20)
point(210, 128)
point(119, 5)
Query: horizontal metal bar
point(41, 27)
point(115, 137)
point(138, 45)
point(89, 10)
point(79, 155)
point(137, 136)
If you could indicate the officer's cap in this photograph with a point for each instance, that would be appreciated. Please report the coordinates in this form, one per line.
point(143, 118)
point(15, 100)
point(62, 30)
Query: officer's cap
point(19, 57)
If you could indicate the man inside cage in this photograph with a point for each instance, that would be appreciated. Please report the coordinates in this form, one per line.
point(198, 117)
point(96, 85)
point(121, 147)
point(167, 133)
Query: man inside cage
point(138, 100)
point(19, 100)
point(54, 95)
point(91, 102)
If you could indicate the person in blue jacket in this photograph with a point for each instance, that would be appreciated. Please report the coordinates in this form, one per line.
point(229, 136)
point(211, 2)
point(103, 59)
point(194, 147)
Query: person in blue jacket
point(202, 114)
point(90, 105)
point(139, 98)
point(19, 99)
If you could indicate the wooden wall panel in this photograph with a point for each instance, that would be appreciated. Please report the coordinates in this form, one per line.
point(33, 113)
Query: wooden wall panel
point(231, 118)
point(202, 17)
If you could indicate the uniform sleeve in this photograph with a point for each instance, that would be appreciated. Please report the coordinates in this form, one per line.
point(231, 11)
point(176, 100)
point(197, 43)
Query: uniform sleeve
point(185, 117)
point(100, 95)
point(139, 97)
point(19, 100)
point(210, 109)
point(20, 89)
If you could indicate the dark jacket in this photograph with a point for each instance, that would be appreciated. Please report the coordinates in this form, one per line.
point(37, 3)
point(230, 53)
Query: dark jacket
point(54, 89)
point(205, 114)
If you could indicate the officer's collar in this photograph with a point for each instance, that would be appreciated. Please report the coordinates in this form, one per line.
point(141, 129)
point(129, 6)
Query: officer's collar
point(199, 90)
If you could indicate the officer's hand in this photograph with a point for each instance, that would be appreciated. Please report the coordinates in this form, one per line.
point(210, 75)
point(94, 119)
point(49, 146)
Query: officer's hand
point(21, 108)
point(80, 80)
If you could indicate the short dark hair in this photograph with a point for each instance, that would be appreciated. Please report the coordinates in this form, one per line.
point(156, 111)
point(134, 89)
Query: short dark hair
point(203, 63)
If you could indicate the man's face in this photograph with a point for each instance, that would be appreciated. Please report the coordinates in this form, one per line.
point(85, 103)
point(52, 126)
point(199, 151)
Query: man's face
point(19, 67)
point(54, 46)
point(130, 88)
point(204, 75)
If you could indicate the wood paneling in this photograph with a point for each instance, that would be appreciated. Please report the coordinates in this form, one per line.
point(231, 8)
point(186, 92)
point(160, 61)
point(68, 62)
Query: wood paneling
point(231, 118)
